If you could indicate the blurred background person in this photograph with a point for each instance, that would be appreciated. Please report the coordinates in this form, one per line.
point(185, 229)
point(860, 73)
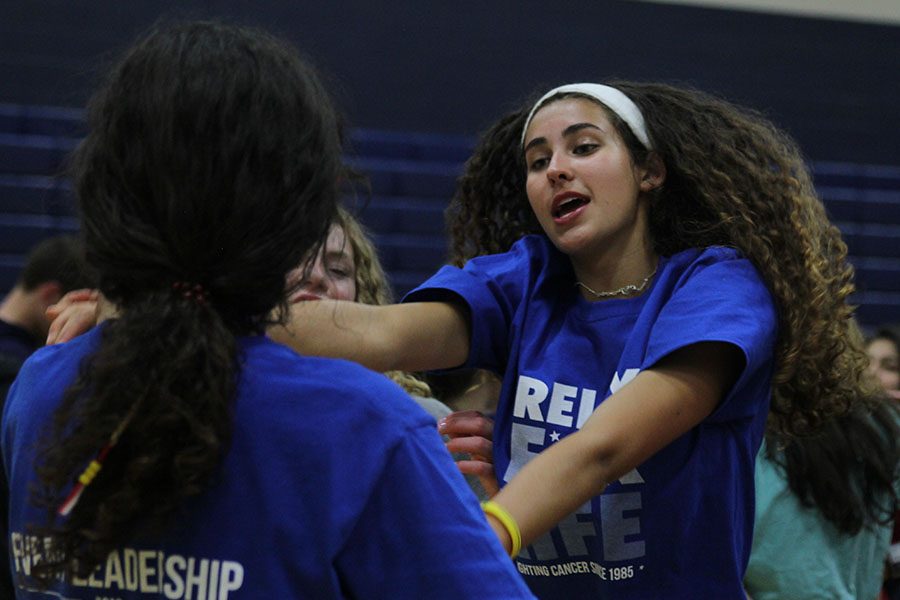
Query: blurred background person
point(825, 506)
point(883, 349)
point(54, 267)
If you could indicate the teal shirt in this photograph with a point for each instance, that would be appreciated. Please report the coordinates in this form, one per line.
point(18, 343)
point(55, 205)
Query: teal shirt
point(798, 554)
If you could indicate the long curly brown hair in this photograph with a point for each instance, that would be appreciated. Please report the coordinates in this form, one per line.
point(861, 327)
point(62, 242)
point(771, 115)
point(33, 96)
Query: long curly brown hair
point(846, 470)
point(213, 158)
point(734, 179)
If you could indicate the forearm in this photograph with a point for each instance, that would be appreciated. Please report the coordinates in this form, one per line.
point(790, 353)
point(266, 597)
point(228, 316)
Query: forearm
point(335, 329)
point(552, 485)
point(408, 337)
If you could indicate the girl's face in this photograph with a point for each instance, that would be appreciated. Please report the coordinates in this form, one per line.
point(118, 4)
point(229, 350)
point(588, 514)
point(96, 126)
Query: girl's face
point(884, 363)
point(332, 275)
point(582, 183)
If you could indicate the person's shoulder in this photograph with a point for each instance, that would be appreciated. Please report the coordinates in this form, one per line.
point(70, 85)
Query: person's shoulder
point(721, 254)
point(45, 374)
point(47, 361)
point(533, 243)
point(531, 257)
point(717, 281)
point(526, 248)
point(718, 262)
point(329, 388)
point(717, 289)
point(706, 255)
point(484, 279)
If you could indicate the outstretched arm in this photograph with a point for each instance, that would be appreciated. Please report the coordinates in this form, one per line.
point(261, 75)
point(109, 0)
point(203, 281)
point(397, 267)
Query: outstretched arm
point(400, 337)
point(652, 410)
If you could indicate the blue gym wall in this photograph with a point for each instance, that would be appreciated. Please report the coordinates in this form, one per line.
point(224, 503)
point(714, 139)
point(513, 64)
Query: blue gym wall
point(452, 67)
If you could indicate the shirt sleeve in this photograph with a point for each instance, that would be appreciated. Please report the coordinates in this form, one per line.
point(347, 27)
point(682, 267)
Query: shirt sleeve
point(721, 298)
point(423, 525)
point(493, 288)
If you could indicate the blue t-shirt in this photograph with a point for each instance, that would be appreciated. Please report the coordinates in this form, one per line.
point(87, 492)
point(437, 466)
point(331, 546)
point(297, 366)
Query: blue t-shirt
point(336, 485)
point(680, 524)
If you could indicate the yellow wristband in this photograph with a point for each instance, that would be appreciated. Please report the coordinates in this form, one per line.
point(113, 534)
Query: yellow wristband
point(512, 528)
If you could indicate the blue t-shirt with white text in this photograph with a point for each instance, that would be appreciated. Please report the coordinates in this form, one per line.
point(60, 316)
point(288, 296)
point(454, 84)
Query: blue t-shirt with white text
point(335, 485)
point(680, 524)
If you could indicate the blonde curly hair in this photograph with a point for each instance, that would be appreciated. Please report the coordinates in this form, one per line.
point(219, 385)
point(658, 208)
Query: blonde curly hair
point(733, 179)
point(372, 287)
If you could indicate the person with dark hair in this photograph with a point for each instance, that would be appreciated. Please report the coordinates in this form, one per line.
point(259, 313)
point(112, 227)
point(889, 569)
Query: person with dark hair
point(824, 507)
point(883, 349)
point(53, 268)
point(679, 273)
point(175, 450)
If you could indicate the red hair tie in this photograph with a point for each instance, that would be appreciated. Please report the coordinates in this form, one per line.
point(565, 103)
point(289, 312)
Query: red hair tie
point(191, 291)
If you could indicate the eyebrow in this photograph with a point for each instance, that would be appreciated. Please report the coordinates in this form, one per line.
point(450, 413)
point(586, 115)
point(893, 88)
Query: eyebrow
point(575, 127)
point(337, 254)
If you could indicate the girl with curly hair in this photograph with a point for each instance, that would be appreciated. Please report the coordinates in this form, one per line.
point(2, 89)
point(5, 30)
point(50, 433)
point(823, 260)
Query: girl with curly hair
point(175, 450)
point(679, 273)
point(823, 500)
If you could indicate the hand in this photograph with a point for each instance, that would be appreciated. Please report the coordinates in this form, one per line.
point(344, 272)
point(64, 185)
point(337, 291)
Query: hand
point(471, 433)
point(75, 313)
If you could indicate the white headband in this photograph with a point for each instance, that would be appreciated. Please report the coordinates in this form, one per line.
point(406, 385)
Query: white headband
point(612, 98)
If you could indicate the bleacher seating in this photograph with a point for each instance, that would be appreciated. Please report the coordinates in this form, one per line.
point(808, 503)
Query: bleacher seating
point(411, 177)
point(53, 121)
point(864, 202)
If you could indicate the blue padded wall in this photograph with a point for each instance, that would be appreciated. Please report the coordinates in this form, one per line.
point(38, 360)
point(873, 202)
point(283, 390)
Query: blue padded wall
point(454, 67)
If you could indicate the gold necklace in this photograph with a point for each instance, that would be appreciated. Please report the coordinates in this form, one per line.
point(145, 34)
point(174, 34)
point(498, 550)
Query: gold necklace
point(625, 290)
